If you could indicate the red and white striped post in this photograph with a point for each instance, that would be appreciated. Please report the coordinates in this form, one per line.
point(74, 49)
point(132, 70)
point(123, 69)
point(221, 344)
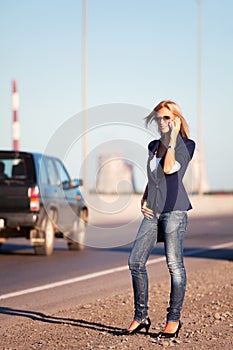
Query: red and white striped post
point(15, 125)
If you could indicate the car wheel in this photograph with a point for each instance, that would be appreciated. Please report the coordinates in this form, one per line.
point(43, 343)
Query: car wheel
point(47, 247)
point(76, 240)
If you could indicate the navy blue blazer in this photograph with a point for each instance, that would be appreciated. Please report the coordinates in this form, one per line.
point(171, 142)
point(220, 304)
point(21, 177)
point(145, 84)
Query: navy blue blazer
point(166, 192)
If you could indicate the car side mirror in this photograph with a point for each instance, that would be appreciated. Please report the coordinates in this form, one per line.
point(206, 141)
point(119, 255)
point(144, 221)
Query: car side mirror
point(72, 184)
point(76, 183)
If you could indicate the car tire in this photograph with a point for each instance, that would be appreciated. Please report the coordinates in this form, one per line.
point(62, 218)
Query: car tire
point(78, 235)
point(48, 246)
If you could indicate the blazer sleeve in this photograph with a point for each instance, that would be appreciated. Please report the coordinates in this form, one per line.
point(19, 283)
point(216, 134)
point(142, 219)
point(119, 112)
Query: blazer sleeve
point(184, 152)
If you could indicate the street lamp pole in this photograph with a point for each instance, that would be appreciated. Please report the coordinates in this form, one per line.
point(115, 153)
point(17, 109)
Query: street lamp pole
point(84, 97)
point(199, 103)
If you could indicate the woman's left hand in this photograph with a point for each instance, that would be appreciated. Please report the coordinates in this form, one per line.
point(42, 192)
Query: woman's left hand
point(175, 125)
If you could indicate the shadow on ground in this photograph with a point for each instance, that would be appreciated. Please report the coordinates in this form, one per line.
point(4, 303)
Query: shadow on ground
point(41, 317)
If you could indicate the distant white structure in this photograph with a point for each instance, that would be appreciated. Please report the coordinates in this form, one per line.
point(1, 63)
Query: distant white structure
point(195, 179)
point(115, 175)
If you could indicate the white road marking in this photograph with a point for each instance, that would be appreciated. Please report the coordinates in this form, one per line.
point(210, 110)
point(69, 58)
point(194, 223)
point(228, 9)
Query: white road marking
point(102, 273)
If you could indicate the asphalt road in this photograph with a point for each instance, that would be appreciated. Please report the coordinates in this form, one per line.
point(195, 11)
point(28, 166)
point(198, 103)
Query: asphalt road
point(95, 272)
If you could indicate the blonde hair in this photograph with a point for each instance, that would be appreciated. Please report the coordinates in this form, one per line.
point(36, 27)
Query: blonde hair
point(176, 111)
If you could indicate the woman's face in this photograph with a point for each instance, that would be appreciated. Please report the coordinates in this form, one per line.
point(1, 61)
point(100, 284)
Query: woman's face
point(164, 117)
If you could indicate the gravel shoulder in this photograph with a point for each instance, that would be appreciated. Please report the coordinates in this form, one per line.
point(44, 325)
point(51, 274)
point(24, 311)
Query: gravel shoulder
point(207, 319)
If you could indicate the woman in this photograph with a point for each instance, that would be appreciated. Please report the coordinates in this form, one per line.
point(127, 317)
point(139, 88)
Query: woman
point(164, 204)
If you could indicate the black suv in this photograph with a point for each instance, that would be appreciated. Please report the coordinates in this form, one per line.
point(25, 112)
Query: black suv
point(39, 201)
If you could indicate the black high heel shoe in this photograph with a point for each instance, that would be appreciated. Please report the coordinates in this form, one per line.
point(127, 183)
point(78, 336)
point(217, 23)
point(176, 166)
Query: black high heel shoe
point(146, 323)
point(171, 335)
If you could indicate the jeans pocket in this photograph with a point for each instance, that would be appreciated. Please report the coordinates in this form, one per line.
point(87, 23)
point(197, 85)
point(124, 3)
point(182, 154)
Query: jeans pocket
point(174, 221)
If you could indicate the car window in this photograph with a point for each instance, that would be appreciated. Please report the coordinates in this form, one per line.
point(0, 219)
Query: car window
point(43, 174)
point(62, 173)
point(53, 177)
point(13, 168)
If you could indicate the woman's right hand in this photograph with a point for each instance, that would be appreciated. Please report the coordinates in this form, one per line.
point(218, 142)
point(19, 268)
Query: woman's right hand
point(148, 213)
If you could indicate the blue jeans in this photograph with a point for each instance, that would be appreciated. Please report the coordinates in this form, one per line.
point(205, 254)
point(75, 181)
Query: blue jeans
point(174, 227)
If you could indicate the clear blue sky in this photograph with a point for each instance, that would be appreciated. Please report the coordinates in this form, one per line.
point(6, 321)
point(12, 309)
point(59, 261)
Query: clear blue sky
point(139, 52)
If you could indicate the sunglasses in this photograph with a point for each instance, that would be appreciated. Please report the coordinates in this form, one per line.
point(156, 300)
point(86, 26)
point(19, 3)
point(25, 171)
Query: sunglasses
point(164, 118)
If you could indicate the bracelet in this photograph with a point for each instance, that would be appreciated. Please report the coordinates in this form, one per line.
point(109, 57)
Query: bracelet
point(171, 147)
